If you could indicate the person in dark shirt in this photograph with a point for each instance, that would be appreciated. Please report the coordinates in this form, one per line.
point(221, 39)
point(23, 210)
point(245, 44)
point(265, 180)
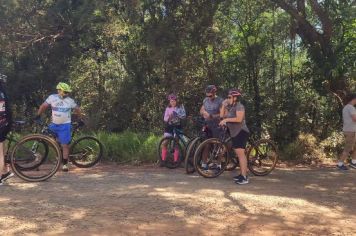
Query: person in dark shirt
point(5, 125)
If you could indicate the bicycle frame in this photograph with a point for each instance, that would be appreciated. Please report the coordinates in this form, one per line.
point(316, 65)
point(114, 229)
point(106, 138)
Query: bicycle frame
point(179, 134)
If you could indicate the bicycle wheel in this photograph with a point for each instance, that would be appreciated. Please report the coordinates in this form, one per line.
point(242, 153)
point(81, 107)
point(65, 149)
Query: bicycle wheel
point(189, 156)
point(24, 157)
point(33, 162)
point(85, 152)
point(213, 153)
point(262, 157)
point(170, 143)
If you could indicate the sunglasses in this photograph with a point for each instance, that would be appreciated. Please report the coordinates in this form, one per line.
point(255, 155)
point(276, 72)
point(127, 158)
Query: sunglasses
point(209, 96)
point(229, 97)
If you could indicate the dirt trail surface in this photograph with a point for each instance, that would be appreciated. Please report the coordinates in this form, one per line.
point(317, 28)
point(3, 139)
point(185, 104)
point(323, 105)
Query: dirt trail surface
point(147, 200)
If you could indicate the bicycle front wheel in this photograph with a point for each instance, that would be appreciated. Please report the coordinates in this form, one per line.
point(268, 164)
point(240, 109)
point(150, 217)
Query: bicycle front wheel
point(189, 156)
point(211, 158)
point(171, 146)
point(35, 158)
point(85, 152)
point(262, 157)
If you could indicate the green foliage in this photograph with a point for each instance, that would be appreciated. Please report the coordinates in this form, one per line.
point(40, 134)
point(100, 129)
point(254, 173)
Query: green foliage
point(333, 145)
point(129, 147)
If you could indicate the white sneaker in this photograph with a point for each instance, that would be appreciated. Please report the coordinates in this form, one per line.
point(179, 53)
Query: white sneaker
point(6, 176)
point(65, 167)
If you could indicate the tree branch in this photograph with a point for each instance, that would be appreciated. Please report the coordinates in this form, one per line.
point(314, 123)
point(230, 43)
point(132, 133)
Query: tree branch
point(312, 36)
point(324, 18)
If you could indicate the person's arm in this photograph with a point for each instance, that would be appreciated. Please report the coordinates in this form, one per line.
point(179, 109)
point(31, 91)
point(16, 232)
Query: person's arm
point(223, 110)
point(238, 119)
point(240, 114)
point(42, 108)
point(204, 113)
point(166, 115)
point(353, 116)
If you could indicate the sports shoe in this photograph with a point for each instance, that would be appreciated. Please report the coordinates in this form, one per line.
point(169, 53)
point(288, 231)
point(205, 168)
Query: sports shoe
point(242, 180)
point(343, 167)
point(6, 176)
point(237, 177)
point(352, 165)
point(65, 167)
point(205, 167)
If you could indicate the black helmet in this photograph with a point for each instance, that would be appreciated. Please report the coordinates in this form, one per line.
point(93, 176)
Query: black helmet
point(211, 89)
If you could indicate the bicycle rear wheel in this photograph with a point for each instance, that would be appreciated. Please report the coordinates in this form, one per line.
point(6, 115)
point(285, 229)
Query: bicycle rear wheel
point(85, 152)
point(189, 156)
point(262, 157)
point(46, 158)
point(213, 153)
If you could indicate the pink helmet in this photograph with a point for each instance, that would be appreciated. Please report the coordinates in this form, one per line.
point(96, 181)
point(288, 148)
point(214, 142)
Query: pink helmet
point(234, 92)
point(172, 97)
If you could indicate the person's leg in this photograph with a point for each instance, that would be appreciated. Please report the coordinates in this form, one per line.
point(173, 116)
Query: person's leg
point(239, 144)
point(349, 143)
point(65, 150)
point(2, 159)
point(205, 153)
point(3, 168)
point(242, 160)
point(353, 154)
point(5, 172)
point(164, 150)
point(64, 137)
point(176, 151)
point(167, 133)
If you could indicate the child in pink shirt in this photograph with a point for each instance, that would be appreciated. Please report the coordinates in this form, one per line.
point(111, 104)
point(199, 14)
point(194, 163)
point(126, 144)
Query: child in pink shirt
point(172, 117)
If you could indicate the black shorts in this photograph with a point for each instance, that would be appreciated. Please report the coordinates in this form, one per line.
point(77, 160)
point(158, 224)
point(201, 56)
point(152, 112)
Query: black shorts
point(240, 140)
point(3, 133)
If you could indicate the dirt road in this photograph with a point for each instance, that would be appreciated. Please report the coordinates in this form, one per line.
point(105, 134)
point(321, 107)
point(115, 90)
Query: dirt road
point(109, 200)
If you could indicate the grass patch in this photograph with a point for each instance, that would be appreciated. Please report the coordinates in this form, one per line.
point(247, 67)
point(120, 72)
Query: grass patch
point(129, 147)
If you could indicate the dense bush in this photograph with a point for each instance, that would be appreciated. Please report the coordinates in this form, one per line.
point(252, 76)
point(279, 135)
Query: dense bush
point(333, 145)
point(305, 149)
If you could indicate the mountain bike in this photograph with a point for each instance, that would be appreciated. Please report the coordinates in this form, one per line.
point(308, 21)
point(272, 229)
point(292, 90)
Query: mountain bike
point(179, 141)
point(32, 158)
point(84, 151)
point(262, 156)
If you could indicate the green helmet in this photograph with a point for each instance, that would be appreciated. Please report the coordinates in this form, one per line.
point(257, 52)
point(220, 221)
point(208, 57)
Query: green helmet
point(63, 86)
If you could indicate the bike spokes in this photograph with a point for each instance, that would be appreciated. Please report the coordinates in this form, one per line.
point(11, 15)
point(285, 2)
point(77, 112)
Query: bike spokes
point(262, 157)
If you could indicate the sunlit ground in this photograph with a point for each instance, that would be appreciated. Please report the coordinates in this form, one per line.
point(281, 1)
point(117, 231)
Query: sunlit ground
point(152, 201)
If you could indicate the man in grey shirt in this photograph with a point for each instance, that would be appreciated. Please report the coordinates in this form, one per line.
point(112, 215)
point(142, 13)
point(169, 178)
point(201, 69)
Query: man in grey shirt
point(210, 110)
point(349, 129)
